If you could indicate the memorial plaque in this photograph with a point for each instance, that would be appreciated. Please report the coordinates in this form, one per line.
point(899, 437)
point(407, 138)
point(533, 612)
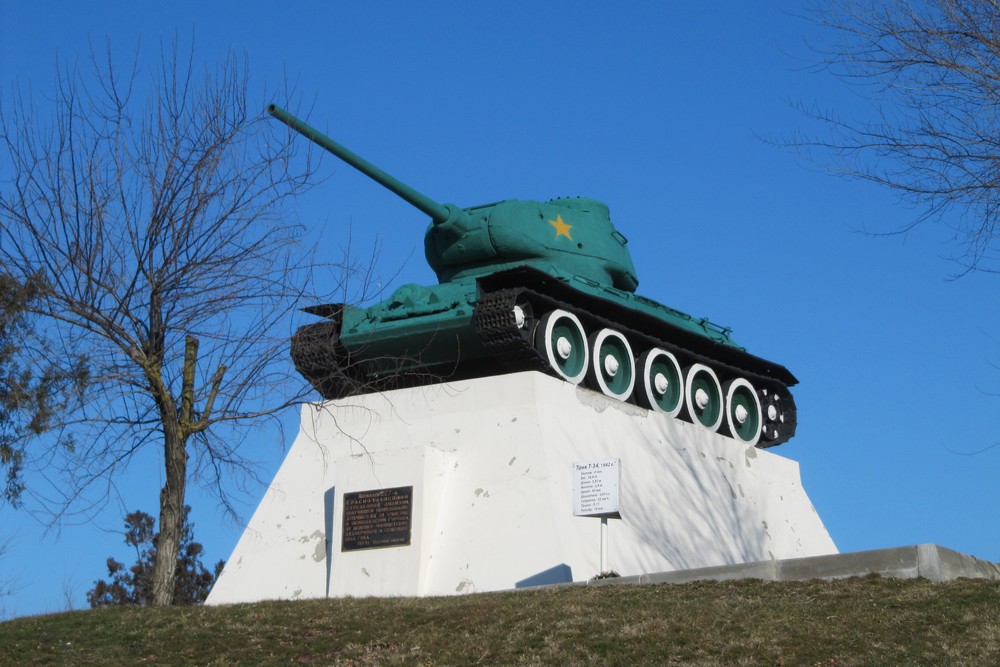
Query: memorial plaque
point(377, 518)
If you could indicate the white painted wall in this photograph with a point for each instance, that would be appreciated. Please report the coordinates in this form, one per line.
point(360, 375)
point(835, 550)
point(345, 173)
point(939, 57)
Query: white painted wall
point(490, 465)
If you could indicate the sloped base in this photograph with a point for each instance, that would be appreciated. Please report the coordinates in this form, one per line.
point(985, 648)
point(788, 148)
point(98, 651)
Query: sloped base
point(490, 466)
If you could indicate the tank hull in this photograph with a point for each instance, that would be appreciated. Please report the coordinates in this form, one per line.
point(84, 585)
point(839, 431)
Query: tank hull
point(498, 324)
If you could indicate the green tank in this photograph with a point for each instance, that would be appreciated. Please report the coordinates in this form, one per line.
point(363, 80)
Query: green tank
point(546, 286)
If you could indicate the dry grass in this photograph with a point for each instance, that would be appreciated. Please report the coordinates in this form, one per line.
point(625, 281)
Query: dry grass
point(867, 621)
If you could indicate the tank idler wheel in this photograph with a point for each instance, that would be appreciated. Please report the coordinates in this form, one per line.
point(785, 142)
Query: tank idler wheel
point(524, 318)
point(662, 382)
point(743, 411)
point(612, 368)
point(560, 337)
point(703, 397)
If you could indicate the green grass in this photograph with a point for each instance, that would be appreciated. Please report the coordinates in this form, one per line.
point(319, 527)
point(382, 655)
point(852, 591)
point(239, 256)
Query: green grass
point(868, 621)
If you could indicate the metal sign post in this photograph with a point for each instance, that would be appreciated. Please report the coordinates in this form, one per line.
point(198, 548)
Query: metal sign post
point(604, 544)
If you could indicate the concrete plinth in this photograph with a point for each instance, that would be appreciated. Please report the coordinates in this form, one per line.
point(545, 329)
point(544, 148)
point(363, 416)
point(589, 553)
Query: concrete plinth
point(490, 465)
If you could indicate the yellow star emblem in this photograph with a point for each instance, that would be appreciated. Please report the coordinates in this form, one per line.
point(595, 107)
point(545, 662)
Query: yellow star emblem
point(562, 229)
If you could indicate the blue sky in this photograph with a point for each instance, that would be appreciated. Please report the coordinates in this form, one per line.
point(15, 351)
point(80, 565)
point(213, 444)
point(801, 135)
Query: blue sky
point(658, 109)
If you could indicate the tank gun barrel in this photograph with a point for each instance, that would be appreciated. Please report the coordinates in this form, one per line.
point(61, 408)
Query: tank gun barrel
point(438, 212)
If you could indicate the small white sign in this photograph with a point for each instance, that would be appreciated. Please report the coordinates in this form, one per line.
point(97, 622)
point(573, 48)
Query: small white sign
point(595, 488)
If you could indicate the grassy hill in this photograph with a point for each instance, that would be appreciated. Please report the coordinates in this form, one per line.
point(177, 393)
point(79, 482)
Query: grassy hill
point(870, 621)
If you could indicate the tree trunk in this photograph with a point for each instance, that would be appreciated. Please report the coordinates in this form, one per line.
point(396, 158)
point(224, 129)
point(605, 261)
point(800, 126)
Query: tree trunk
point(178, 425)
point(171, 515)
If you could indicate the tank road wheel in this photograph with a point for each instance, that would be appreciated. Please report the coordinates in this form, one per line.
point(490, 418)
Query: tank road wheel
point(662, 382)
point(703, 397)
point(561, 337)
point(743, 412)
point(612, 368)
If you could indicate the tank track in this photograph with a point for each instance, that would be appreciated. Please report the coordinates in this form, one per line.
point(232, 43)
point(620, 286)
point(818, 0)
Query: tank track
point(495, 321)
point(319, 357)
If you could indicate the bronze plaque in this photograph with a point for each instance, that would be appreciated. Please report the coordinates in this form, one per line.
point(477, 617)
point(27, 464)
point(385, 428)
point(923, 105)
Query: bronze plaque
point(377, 518)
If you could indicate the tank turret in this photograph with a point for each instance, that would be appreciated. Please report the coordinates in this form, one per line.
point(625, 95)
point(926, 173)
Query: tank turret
point(547, 286)
point(477, 241)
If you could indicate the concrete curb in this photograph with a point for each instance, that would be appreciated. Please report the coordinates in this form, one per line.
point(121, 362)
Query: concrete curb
point(928, 561)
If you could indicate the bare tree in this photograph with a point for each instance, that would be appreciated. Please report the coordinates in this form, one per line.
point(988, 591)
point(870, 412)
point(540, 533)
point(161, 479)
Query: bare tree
point(931, 71)
point(152, 211)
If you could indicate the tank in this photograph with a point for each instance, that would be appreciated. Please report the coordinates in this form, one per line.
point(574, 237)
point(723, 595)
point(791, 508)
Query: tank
point(544, 286)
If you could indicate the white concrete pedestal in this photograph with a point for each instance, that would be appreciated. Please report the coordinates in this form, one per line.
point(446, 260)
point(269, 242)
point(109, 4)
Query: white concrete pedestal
point(490, 463)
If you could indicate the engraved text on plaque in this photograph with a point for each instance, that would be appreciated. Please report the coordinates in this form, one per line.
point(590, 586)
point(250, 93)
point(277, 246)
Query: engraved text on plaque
point(377, 518)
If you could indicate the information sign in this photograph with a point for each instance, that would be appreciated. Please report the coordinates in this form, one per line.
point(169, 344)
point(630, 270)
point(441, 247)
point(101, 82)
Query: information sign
point(595, 488)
